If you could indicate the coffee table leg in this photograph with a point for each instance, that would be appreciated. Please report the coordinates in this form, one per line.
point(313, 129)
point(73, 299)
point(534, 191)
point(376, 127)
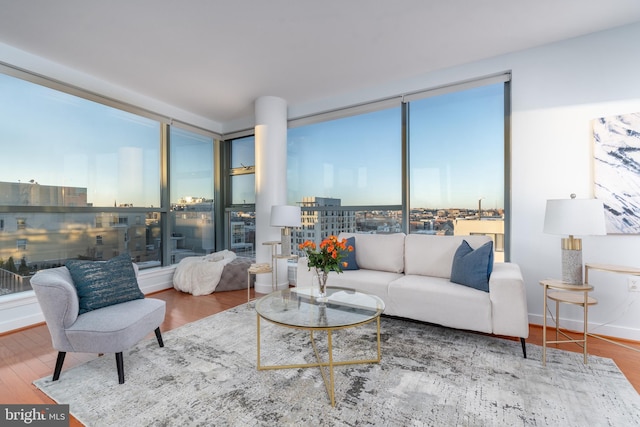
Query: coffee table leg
point(258, 338)
point(329, 383)
point(332, 391)
point(379, 346)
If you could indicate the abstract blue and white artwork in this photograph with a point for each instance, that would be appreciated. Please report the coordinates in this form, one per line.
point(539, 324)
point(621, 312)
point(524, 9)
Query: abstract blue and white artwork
point(617, 171)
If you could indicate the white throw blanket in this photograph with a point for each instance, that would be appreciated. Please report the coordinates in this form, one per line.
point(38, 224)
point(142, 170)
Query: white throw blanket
point(201, 275)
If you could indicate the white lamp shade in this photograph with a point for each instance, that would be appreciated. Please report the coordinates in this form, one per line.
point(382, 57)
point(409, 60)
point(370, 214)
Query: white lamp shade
point(575, 217)
point(285, 216)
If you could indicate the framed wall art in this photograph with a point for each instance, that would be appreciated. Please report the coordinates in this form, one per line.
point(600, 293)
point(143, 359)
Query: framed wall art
point(616, 157)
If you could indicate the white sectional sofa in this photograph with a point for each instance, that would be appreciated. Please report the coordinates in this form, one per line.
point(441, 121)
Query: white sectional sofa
point(411, 273)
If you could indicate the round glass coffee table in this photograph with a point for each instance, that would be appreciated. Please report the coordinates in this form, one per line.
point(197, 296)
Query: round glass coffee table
point(299, 308)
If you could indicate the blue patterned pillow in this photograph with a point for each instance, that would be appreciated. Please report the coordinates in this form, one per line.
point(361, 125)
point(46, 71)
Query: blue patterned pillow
point(350, 257)
point(473, 267)
point(100, 284)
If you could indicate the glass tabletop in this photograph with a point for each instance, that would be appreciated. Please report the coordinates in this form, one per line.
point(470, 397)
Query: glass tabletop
point(300, 307)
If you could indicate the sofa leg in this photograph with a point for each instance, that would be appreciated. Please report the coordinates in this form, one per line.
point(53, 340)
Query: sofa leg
point(120, 365)
point(524, 348)
point(59, 362)
point(159, 337)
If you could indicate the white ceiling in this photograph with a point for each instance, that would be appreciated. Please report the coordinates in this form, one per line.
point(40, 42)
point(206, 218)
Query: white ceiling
point(213, 58)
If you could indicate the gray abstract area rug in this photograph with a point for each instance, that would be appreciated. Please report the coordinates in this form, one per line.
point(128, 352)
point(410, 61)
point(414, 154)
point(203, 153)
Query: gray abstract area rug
point(429, 376)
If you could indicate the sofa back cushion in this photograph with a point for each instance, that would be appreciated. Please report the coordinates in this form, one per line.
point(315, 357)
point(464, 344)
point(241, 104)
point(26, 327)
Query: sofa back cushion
point(429, 255)
point(383, 252)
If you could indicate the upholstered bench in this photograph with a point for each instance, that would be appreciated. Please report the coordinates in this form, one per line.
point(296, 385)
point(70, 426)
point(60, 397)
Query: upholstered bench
point(234, 275)
point(216, 272)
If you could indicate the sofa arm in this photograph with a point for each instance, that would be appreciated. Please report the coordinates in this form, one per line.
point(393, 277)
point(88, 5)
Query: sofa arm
point(508, 301)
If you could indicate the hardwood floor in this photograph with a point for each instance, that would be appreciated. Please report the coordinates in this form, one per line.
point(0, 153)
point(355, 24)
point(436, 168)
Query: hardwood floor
point(27, 355)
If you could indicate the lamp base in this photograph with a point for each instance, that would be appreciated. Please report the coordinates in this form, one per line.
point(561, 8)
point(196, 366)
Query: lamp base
point(572, 266)
point(285, 242)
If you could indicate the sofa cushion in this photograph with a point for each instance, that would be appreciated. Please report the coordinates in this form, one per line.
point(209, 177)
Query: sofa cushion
point(127, 324)
point(437, 300)
point(472, 267)
point(430, 255)
point(370, 281)
point(382, 252)
point(101, 284)
point(350, 256)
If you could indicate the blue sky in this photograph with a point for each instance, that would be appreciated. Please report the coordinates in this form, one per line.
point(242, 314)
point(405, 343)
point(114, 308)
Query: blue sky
point(61, 140)
point(456, 154)
point(457, 149)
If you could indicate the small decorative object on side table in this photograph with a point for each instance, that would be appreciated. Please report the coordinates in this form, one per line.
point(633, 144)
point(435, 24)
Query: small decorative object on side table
point(565, 293)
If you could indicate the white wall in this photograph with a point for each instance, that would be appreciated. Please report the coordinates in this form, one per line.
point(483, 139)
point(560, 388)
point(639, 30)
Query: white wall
point(556, 91)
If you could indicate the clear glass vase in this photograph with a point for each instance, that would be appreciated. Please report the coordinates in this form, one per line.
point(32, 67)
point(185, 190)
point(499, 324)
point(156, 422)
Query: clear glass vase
point(322, 277)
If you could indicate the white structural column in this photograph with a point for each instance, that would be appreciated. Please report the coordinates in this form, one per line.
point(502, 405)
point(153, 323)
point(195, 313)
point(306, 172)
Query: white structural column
point(271, 181)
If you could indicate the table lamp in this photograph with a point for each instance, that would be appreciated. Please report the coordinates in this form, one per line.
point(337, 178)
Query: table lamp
point(574, 217)
point(285, 216)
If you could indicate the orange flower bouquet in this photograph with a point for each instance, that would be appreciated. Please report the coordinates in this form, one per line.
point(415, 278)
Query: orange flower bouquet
point(327, 258)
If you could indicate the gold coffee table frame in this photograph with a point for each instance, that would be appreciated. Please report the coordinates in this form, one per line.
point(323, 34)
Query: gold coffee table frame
point(326, 325)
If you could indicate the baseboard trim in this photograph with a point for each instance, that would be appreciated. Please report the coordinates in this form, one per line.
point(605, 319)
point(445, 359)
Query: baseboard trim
point(612, 331)
point(21, 310)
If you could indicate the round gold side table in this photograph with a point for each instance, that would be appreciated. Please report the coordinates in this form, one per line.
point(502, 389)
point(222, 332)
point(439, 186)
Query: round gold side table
point(566, 293)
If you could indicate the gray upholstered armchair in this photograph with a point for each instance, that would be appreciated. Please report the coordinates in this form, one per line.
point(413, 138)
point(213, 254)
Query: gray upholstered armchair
point(110, 329)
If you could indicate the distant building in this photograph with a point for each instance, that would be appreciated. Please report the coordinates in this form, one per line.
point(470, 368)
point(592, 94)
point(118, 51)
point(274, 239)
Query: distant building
point(321, 222)
point(492, 227)
point(193, 228)
point(34, 194)
point(48, 239)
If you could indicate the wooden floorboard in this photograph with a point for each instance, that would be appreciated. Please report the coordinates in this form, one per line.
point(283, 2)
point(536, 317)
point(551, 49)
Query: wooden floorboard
point(27, 355)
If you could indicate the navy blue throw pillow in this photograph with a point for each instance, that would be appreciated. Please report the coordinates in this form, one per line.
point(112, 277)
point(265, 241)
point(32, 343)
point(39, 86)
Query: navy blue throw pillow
point(473, 267)
point(350, 257)
point(101, 284)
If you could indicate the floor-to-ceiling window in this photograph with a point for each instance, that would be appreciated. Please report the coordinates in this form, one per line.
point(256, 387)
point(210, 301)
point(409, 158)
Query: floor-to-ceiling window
point(436, 164)
point(192, 201)
point(346, 173)
point(241, 194)
point(83, 177)
point(456, 145)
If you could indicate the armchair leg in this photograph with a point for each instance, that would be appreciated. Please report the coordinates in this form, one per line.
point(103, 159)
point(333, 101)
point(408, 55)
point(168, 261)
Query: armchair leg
point(524, 349)
point(59, 362)
point(120, 365)
point(159, 337)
